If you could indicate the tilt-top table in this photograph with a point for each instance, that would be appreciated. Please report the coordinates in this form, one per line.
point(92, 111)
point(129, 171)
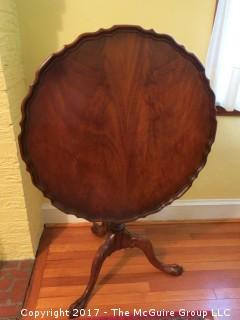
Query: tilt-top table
point(116, 126)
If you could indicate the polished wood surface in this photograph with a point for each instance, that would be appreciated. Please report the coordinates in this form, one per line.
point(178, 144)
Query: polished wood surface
point(210, 253)
point(117, 238)
point(118, 124)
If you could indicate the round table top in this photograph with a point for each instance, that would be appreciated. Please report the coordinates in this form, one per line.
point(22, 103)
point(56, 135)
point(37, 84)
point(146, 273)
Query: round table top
point(118, 124)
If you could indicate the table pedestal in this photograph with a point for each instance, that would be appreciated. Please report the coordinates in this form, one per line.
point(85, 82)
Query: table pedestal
point(118, 237)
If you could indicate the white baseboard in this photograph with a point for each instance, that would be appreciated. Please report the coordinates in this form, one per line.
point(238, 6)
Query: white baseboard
point(179, 210)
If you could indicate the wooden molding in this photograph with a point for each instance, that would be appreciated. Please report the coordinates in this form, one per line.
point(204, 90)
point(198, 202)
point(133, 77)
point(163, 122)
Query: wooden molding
point(220, 111)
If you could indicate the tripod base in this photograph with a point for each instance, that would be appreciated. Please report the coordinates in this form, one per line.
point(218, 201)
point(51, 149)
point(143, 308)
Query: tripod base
point(118, 238)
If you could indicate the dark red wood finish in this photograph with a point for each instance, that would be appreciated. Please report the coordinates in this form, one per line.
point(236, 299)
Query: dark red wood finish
point(118, 124)
point(118, 237)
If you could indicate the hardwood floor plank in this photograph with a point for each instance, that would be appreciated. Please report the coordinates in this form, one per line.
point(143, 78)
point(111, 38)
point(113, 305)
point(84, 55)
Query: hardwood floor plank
point(180, 255)
point(227, 293)
point(130, 265)
point(198, 279)
point(135, 297)
point(209, 253)
point(75, 247)
point(64, 291)
point(212, 265)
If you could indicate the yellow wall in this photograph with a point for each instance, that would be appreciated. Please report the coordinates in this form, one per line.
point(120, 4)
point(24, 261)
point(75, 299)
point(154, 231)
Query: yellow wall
point(20, 222)
point(46, 25)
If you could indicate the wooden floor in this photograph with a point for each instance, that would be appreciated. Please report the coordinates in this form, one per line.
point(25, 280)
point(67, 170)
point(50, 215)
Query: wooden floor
point(209, 253)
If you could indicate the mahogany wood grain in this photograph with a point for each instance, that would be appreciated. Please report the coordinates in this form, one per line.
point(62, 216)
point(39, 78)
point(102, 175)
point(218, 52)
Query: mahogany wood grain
point(118, 124)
